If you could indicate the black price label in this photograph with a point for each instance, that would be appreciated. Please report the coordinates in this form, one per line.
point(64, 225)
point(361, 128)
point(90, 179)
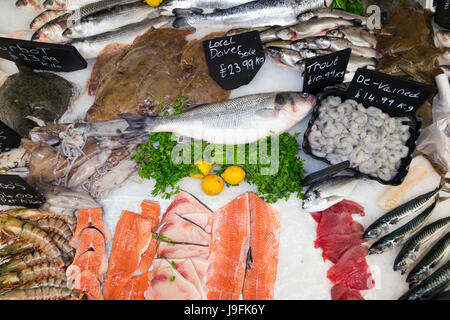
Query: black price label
point(234, 61)
point(14, 191)
point(9, 139)
point(393, 95)
point(42, 56)
point(326, 70)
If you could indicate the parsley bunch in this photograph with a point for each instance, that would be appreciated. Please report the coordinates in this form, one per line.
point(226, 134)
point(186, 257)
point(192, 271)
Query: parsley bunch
point(353, 6)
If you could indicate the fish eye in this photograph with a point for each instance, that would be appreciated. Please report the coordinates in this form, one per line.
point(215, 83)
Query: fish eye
point(305, 95)
point(280, 99)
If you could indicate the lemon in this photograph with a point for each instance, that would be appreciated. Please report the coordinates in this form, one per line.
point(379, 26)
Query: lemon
point(204, 167)
point(233, 175)
point(212, 184)
point(154, 3)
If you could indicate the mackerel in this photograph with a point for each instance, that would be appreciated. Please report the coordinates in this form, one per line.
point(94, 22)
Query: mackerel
point(381, 225)
point(398, 236)
point(413, 247)
point(438, 281)
point(429, 261)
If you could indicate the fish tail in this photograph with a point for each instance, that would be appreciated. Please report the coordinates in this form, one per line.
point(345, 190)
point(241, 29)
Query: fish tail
point(139, 125)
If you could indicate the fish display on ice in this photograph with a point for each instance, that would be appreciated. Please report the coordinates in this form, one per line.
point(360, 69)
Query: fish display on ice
point(230, 122)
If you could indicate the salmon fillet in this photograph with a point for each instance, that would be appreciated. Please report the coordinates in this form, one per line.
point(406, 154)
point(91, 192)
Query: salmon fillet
point(89, 218)
point(259, 283)
point(149, 210)
point(228, 250)
point(135, 287)
point(132, 237)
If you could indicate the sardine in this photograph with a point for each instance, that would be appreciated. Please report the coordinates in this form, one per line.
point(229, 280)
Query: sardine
point(325, 194)
point(230, 122)
point(381, 225)
point(201, 4)
point(338, 44)
point(425, 266)
point(439, 280)
point(91, 47)
point(413, 247)
point(111, 19)
point(357, 36)
point(331, 13)
point(399, 236)
point(252, 14)
point(45, 17)
point(312, 28)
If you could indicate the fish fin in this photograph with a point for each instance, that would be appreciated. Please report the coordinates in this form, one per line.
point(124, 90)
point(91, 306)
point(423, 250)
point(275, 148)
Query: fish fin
point(268, 113)
point(138, 125)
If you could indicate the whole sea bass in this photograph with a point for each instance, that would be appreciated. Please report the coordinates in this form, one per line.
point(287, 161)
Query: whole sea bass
point(253, 14)
point(237, 121)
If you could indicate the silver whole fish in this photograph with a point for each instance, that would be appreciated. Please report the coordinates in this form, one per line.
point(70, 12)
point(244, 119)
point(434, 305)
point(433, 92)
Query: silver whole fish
point(356, 35)
point(293, 45)
point(67, 4)
point(252, 14)
point(236, 31)
point(338, 44)
point(430, 260)
point(292, 58)
point(325, 194)
point(201, 4)
point(312, 28)
point(33, 4)
point(399, 236)
point(414, 246)
point(91, 47)
point(331, 13)
point(236, 121)
point(357, 62)
point(111, 19)
point(45, 17)
point(270, 34)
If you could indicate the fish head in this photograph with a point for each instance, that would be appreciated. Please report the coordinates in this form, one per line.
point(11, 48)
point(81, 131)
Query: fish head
point(322, 43)
point(295, 105)
point(286, 34)
point(306, 16)
point(21, 3)
point(372, 233)
point(313, 200)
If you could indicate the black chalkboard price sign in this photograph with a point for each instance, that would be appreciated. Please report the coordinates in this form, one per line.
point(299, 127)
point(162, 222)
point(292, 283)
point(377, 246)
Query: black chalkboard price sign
point(325, 70)
point(14, 191)
point(235, 60)
point(42, 56)
point(394, 95)
point(9, 139)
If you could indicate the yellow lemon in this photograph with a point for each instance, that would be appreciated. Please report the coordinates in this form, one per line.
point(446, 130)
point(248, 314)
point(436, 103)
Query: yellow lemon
point(212, 184)
point(154, 3)
point(204, 167)
point(233, 175)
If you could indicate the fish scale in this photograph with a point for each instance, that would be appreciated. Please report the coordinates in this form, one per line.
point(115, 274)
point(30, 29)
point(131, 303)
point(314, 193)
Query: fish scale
point(413, 246)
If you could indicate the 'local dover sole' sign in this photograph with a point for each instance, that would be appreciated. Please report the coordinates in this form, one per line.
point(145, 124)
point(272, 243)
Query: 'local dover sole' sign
point(235, 60)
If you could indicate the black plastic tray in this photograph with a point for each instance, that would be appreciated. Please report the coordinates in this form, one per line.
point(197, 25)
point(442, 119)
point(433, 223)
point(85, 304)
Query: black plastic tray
point(415, 124)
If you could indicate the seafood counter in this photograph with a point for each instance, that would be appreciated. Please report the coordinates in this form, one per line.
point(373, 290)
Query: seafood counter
point(158, 183)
